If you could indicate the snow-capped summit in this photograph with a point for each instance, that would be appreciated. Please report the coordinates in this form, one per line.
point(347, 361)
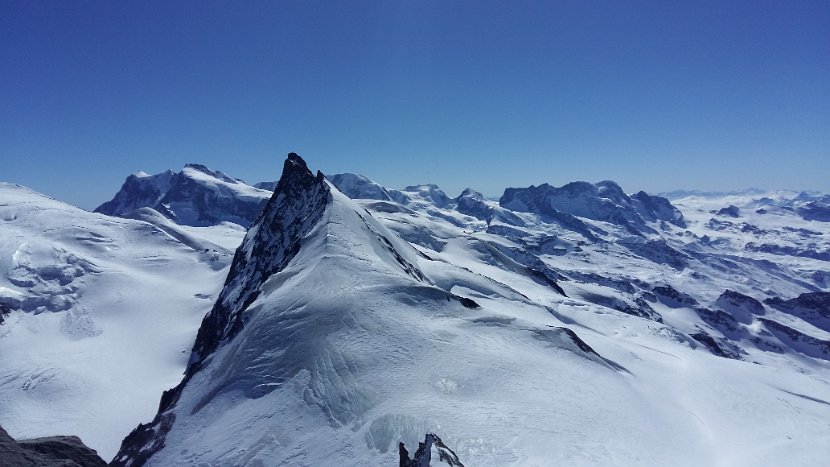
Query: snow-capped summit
point(299, 200)
point(196, 196)
point(359, 187)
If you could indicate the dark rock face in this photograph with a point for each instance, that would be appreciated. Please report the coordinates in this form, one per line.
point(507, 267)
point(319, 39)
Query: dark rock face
point(472, 203)
point(298, 203)
point(659, 252)
point(740, 306)
point(672, 297)
point(719, 347)
point(566, 339)
point(730, 211)
point(623, 285)
point(577, 340)
point(195, 196)
point(722, 321)
point(270, 186)
point(818, 210)
point(786, 250)
point(798, 341)
point(533, 266)
point(660, 208)
point(53, 451)
point(137, 192)
point(604, 201)
point(639, 307)
point(813, 307)
point(423, 456)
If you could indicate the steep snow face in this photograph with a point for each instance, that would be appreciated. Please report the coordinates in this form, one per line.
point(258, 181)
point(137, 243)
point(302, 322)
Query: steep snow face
point(333, 352)
point(100, 314)
point(195, 196)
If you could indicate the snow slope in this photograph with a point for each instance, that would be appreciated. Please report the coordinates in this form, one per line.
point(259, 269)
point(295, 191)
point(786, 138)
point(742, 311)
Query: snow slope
point(575, 335)
point(102, 312)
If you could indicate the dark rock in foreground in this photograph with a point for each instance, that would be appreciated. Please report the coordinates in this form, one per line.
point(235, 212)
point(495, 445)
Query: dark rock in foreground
point(423, 456)
point(52, 451)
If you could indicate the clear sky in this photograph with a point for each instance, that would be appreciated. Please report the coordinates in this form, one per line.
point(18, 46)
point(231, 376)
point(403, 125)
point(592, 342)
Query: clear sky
point(656, 95)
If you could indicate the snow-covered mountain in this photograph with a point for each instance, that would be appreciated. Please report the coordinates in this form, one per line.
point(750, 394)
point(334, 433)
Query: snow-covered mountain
point(195, 196)
point(577, 325)
point(604, 201)
point(560, 326)
point(98, 314)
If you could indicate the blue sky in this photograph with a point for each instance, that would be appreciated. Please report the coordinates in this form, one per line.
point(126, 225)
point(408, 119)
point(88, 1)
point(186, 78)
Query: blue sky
point(656, 95)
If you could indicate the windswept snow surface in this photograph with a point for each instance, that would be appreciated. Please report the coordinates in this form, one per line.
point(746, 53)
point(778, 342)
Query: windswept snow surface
point(102, 314)
point(584, 341)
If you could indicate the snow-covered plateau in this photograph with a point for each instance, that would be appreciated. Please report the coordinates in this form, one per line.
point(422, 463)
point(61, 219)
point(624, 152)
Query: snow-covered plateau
point(573, 325)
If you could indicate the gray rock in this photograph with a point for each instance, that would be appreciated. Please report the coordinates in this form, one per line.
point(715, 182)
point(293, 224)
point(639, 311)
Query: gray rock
point(52, 451)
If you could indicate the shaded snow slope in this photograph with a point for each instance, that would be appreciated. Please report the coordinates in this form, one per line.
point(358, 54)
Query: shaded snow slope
point(346, 327)
point(101, 315)
point(195, 196)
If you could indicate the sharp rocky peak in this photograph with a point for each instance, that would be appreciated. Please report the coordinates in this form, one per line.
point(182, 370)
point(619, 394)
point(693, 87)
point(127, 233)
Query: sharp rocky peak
point(298, 203)
point(196, 196)
point(274, 239)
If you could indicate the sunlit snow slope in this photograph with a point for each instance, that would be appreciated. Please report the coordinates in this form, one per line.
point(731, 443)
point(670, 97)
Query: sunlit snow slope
point(563, 326)
point(98, 314)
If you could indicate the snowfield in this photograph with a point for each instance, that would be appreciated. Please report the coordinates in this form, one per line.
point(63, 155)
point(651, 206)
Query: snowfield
point(575, 325)
point(102, 314)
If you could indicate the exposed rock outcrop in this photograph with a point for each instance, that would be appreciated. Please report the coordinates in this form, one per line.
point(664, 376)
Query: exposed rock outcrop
point(195, 196)
point(423, 456)
point(52, 451)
